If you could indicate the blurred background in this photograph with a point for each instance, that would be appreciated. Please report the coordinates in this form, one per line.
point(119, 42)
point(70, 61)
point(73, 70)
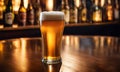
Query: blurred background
point(20, 18)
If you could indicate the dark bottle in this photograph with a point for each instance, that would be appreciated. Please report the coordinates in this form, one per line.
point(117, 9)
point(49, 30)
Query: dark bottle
point(96, 12)
point(65, 9)
point(82, 12)
point(22, 14)
point(8, 15)
point(30, 14)
point(37, 10)
point(73, 12)
point(15, 18)
point(89, 4)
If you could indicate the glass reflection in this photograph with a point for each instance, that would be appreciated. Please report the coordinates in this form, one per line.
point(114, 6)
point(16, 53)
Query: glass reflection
point(16, 43)
point(97, 45)
point(89, 48)
point(1, 51)
point(76, 51)
point(1, 47)
point(19, 54)
point(71, 45)
point(71, 42)
point(86, 45)
point(52, 67)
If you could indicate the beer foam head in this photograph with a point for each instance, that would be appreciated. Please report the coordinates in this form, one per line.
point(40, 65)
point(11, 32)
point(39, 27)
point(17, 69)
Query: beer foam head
point(52, 15)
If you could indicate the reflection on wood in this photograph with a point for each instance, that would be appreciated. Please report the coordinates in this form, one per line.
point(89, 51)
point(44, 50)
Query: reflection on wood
point(79, 54)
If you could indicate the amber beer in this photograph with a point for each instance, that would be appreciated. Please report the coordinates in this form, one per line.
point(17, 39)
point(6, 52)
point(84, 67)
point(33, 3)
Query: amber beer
point(52, 26)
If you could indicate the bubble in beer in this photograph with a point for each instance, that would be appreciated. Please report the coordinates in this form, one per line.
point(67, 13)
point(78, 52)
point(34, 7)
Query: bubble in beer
point(53, 15)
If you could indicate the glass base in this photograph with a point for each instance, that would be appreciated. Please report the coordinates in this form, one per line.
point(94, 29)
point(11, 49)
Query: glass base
point(51, 61)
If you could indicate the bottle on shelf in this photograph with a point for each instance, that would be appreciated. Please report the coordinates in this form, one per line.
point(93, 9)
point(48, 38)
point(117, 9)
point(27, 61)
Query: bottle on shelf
point(96, 12)
point(89, 4)
point(65, 9)
point(30, 14)
point(22, 14)
point(16, 4)
point(82, 12)
point(15, 22)
point(37, 10)
point(73, 12)
point(8, 15)
point(108, 11)
point(116, 10)
point(2, 9)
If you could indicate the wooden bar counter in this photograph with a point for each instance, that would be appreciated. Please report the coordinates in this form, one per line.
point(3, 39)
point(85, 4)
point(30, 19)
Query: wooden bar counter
point(79, 54)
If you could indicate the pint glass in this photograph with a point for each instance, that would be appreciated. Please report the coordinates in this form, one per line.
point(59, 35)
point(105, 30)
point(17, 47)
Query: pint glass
point(51, 26)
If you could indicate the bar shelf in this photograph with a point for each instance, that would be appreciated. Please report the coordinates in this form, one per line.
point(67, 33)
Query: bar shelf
point(106, 29)
point(14, 27)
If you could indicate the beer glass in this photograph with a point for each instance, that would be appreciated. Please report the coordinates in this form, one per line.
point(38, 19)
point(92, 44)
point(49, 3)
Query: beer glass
point(51, 26)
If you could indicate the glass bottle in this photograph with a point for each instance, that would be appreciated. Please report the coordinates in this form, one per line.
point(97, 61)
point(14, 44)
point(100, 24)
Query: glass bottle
point(108, 9)
point(116, 10)
point(37, 10)
point(16, 4)
point(65, 9)
point(73, 12)
point(2, 9)
point(8, 15)
point(82, 12)
point(89, 4)
point(22, 14)
point(30, 14)
point(96, 12)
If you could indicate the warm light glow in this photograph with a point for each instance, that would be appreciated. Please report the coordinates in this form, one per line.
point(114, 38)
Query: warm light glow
point(77, 3)
point(1, 50)
point(23, 55)
point(72, 42)
point(102, 39)
point(16, 4)
point(96, 41)
point(109, 41)
point(109, 13)
point(97, 16)
point(102, 3)
point(19, 54)
point(15, 26)
point(67, 40)
point(16, 43)
point(23, 48)
point(50, 68)
point(76, 43)
point(25, 3)
point(49, 5)
point(1, 26)
point(1, 47)
point(84, 14)
point(2, 8)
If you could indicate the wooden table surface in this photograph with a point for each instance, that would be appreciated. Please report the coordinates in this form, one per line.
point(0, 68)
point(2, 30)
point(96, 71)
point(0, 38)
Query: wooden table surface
point(79, 54)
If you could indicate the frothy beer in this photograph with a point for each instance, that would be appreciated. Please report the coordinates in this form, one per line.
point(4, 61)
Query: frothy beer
point(52, 26)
